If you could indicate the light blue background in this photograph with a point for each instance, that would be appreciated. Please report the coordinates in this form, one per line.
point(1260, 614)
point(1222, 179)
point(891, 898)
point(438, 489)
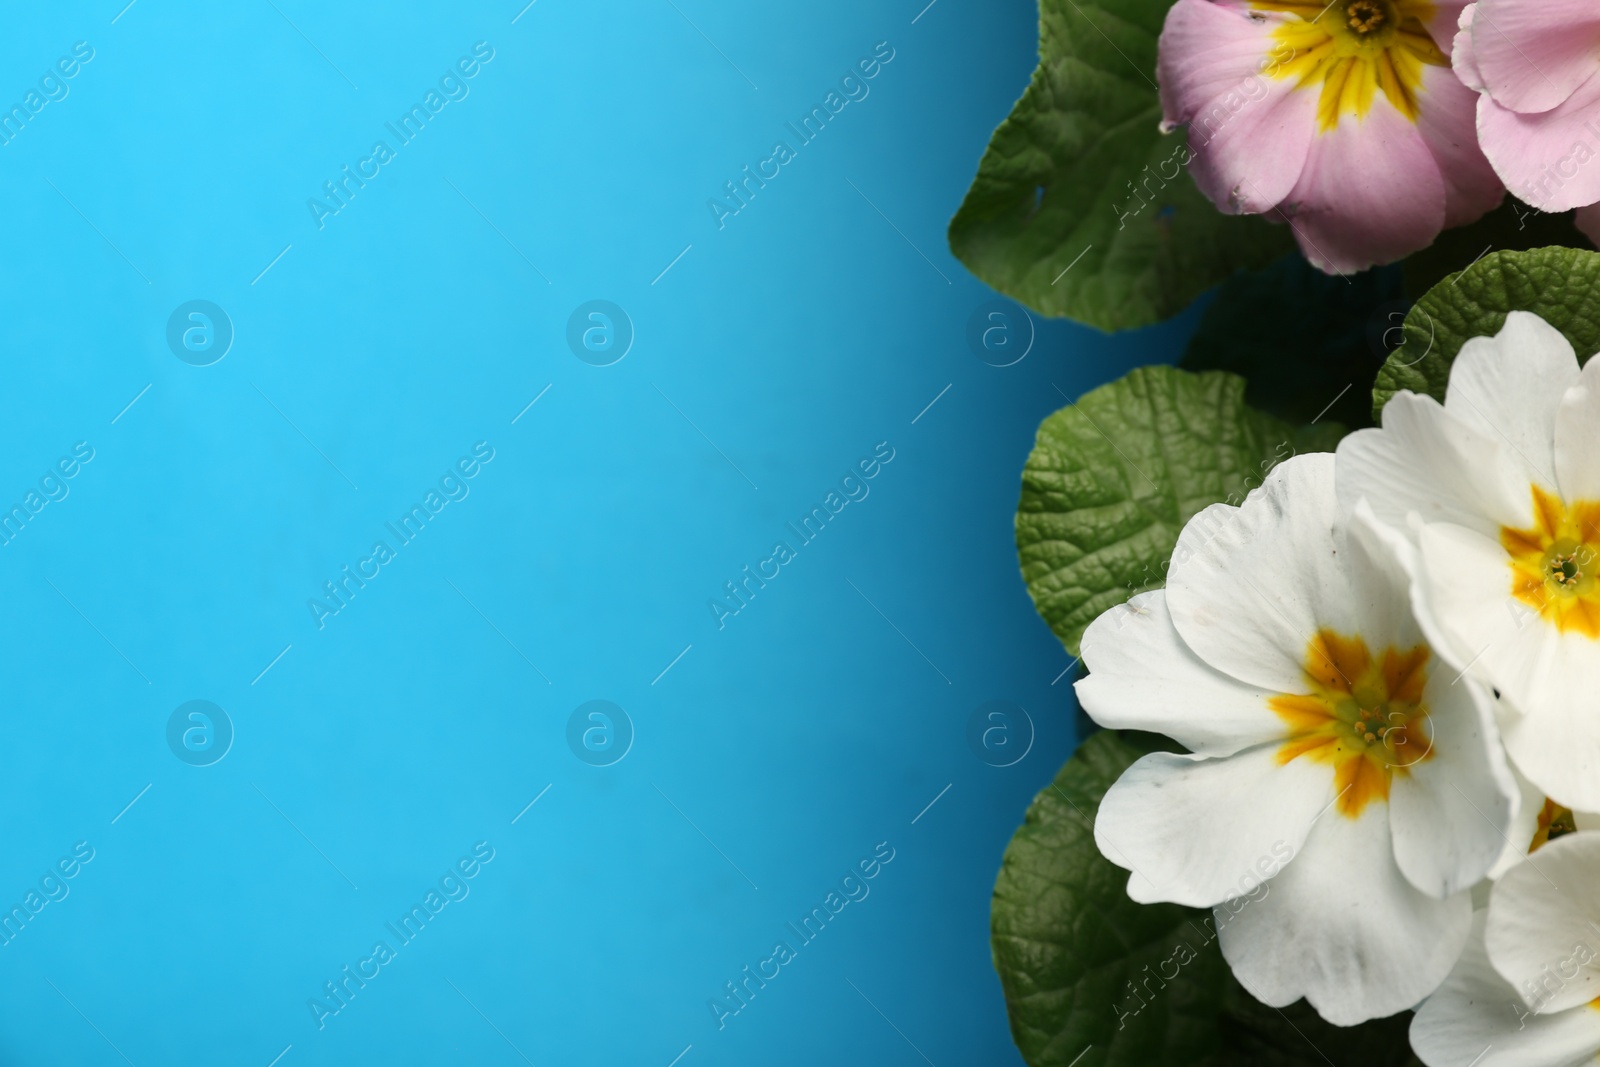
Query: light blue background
point(793, 741)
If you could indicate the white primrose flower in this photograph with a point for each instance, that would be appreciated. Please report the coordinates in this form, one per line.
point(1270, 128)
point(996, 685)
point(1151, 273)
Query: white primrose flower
point(1337, 780)
point(1492, 501)
point(1523, 993)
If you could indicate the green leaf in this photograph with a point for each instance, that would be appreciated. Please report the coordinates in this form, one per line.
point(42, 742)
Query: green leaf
point(1308, 344)
point(1113, 478)
point(1067, 940)
point(1561, 285)
point(1080, 168)
point(1069, 946)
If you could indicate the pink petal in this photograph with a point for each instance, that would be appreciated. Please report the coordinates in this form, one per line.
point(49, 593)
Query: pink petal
point(1249, 133)
point(1533, 55)
point(1588, 221)
point(1371, 193)
point(1205, 50)
point(1462, 59)
point(1446, 120)
point(1551, 161)
point(1444, 22)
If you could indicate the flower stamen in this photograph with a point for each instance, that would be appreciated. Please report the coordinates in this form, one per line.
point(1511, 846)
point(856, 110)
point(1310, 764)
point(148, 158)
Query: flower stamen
point(1364, 714)
point(1555, 563)
point(1365, 16)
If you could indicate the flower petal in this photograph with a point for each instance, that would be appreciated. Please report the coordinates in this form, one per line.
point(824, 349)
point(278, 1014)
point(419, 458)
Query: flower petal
point(1426, 461)
point(1452, 805)
point(1465, 579)
point(1543, 917)
point(1370, 193)
point(1577, 452)
point(1534, 55)
point(1143, 677)
point(1343, 928)
point(1462, 60)
point(1548, 159)
point(1510, 385)
point(1476, 1019)
point(1398, 546)
point(1530, 804)
point(1203, 49)
point(1250, 586)
point(1248, 132)
point(1442, 24)
point(1199, 831)
point(1447, 119)
point(1557, 743)
point(1545, 676)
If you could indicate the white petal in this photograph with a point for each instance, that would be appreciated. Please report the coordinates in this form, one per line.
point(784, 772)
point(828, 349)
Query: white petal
point(1530, 804)
point(1548, 678)
point(1578, 437)
point(1544, 925)
point(1399, 546)
point(1197, 831)
point(1249, 587)
point(1452, 805)
point(1558, 744)
point(1477, 1020)
point(1143, 677)
point(1424, 460)
point(1343, 928)
point(1390, 556)
point(1466, 583)
point(1510, 386)
point(1376, 588)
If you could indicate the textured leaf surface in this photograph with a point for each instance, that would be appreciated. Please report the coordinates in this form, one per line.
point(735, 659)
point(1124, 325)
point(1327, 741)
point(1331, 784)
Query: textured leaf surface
point(1079, 176)
point(1562, 285)
point(1067, 940)
point(1113, 478)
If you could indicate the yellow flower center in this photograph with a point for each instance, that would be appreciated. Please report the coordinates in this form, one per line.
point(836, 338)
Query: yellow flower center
point(1353, 49)
point(1555, 562)
point(1364, 715)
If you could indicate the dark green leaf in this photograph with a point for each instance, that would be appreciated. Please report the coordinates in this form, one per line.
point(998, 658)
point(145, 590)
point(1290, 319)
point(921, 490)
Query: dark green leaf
point(1068, 942)
point(1081, 207)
